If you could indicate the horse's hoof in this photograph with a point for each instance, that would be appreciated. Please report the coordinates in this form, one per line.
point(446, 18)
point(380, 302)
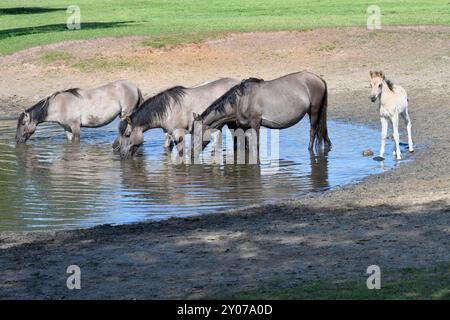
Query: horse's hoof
point(411, 151)
point(378, 158)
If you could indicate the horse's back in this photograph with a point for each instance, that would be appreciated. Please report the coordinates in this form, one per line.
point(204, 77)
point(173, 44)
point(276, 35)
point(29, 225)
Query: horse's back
point(284, 101)
point(401, 98)
point(101, 105)
point(201, 97)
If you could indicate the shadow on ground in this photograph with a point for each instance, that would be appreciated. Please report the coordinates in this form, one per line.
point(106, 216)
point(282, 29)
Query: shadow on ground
point(219, 254)
point(28, 10)
point(58, 28)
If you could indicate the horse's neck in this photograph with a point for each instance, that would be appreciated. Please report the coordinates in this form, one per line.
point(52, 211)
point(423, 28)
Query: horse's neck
point(156, 123)
point(217, 119)
point(386, 93)
point(39, 119)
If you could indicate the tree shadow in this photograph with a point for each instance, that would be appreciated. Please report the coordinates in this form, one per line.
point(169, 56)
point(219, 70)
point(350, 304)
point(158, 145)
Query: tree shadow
point(29, 10)
point(59, 27)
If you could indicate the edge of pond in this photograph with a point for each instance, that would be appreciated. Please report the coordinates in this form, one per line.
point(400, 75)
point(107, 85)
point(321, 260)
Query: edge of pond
point(12, 238)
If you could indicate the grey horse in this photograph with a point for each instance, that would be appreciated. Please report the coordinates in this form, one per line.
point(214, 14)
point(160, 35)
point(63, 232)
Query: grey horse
point(75, 108)
point(275, 104)
point(172, 110)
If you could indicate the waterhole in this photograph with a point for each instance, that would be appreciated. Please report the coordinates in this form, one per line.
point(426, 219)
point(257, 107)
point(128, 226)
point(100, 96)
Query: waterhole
point(49, 183)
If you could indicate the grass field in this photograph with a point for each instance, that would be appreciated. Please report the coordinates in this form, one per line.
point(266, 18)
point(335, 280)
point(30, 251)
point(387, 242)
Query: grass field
point(24, 24)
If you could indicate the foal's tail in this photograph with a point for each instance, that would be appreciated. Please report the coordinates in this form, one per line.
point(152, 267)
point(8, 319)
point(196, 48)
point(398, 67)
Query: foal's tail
point(321, 130)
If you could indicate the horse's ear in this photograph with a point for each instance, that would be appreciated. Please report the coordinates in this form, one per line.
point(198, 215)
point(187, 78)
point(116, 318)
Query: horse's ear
point(371, 74)
point(382, 75)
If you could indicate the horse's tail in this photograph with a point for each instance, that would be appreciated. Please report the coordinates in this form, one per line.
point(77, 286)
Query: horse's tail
point(322, 130)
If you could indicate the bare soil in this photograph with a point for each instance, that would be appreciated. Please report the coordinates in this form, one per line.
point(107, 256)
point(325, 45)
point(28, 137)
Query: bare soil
point(399, 219)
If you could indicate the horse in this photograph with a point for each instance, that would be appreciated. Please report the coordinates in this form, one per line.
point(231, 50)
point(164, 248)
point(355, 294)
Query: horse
point(275, 104)
point(171, 110)
point(393, 103)
point(76, 108)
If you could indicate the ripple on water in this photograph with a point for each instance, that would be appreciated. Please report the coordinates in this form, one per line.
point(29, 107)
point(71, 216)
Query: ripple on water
point(51, 184)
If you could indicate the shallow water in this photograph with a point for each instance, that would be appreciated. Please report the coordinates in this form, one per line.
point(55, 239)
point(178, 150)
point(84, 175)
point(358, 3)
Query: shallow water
point(51, 184)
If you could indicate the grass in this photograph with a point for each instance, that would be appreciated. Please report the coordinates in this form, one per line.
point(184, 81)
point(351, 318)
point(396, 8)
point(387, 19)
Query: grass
point(174, 39)
point(27, 24)
point(49, 57)
point(409, 283)
point(106, 64)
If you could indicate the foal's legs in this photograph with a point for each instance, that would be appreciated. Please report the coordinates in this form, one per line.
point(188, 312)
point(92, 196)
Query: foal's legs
point(394, 120)
point(407, 119)
point(384, 129)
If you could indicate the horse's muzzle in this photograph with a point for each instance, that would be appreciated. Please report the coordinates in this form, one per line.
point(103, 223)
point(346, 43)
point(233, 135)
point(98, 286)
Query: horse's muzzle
point(130, 152)
point(22, 139)
point(373, 98)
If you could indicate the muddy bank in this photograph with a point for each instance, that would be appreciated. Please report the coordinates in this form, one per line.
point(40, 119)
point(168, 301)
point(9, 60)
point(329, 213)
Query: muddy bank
point(395, 220)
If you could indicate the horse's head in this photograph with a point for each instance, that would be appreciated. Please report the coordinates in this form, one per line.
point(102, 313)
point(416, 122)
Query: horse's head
point(376, 83)
point(26, 126)
point(129, 139)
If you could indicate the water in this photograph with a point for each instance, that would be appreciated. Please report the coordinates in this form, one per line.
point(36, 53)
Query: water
point(51, 184)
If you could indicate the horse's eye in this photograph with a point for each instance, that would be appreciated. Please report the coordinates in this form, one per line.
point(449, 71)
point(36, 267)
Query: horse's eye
point(379, 86)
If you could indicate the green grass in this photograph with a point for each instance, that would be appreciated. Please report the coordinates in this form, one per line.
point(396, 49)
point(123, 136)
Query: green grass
point(55, 57)
point(42, 22)
point(410, 283)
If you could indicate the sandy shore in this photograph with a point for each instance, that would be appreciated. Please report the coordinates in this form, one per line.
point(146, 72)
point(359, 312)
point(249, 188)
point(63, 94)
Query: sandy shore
point(396, 220)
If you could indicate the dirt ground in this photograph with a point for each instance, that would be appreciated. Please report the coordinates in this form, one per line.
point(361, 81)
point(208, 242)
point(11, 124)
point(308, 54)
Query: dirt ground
point(396, 220)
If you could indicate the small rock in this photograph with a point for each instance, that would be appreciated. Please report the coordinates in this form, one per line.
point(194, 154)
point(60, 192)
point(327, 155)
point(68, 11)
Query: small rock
point(367, 153)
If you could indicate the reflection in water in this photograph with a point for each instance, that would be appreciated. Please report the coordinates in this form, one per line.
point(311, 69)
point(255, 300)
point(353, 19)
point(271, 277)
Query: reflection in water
point(319, 169)
point(51, 184)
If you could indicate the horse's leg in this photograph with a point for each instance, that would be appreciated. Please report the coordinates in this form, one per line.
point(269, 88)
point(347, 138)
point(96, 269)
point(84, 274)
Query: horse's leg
point(168, 142)
point(396, 136)
point(384, 129)
point(179, 143)
point(313, 119)
point(408, 128)
point(75, 132)
point(69, 134)
point(116, 144)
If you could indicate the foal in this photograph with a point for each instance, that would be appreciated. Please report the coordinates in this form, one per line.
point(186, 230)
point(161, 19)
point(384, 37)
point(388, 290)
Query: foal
point(393, 103)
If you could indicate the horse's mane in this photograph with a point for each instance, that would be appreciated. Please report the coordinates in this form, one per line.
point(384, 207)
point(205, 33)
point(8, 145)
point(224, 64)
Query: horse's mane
point(39, 111)
point(390, 84)
point(155, 107)
point(231, 96)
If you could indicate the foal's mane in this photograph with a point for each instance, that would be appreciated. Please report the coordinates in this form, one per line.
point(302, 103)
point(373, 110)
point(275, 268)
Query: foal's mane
point(231, 96)
point(39, 111)
point(390, 84)
point(155, 107)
